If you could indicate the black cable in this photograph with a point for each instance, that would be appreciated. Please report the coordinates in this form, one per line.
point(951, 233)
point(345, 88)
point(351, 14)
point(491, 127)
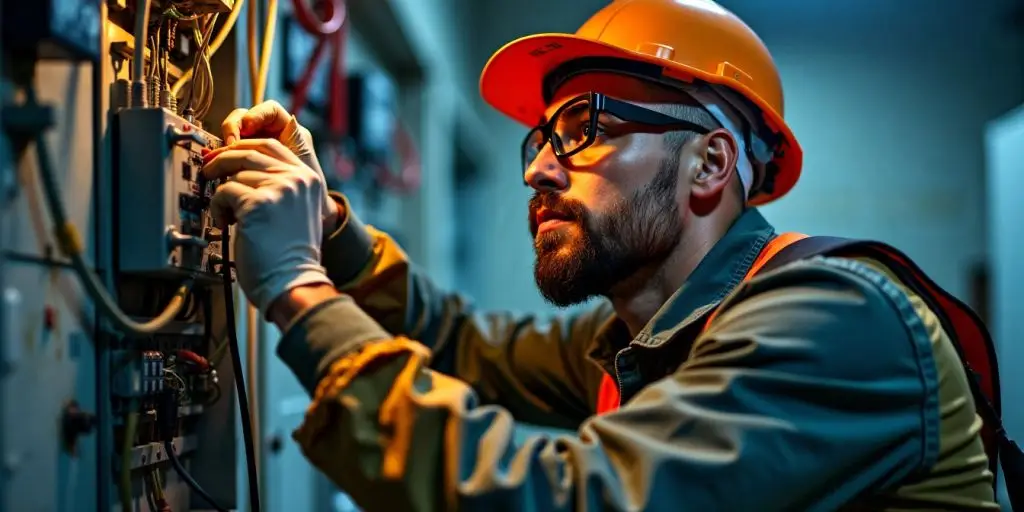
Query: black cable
point(191, 482)
point(236, 365)
point(166, 414)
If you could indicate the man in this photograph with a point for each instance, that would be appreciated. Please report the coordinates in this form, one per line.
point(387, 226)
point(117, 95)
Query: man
point(826, 383)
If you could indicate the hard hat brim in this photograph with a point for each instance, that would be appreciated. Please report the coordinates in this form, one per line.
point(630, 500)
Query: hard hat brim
point(512, 83)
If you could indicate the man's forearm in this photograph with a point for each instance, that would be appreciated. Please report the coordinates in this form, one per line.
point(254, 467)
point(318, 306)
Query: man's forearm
point(286, 308)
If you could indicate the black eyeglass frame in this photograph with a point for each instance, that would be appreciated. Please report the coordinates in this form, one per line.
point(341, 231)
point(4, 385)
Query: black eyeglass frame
point(598, 103)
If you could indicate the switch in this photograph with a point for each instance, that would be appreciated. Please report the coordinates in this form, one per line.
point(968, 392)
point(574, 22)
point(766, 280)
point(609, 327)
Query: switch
point(186, 134)
point(75, 423)
point(186, 171)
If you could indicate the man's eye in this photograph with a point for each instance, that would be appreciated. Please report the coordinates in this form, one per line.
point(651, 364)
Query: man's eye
point(586, 129)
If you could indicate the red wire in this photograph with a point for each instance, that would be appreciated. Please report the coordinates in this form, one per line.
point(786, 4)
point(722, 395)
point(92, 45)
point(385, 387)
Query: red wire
point(196, 359)
point(302, 86)
point(336, 14)
point(332, 31)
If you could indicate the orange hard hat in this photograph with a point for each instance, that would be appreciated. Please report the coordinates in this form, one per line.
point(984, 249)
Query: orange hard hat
point(675, 40)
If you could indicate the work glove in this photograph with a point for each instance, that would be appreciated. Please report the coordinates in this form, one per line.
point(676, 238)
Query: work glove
point(277, 201)
point(270, 120)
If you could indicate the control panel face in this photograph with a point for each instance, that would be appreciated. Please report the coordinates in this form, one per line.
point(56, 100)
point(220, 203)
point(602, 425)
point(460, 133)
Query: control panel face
point(164, 220)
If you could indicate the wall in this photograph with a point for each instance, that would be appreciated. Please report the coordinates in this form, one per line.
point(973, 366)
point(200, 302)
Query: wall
point(894, 151)
point(1005, 143)
point(439, 32)
point(889, 105)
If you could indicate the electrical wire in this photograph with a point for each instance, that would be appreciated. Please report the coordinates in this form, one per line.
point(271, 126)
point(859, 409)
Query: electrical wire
point(131, 425)
point(330, 32)
point(259, 71)
point(308, 19)
point(236, 364)
point(166, 416)
point(191, 482)
point(270, 26)
point(139, 60)
point(70, 244)
point(200, 95)
point(215, 45)
point(150, 497)
point(252, 50)
point(141, 27)
point(152, 62)
point(196, 84)
point(158, 492)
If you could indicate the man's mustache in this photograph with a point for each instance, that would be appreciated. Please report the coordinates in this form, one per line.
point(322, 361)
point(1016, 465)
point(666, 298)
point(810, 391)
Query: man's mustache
point(568, 209)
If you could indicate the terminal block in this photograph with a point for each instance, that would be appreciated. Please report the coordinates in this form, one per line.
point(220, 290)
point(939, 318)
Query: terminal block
point(138, 374)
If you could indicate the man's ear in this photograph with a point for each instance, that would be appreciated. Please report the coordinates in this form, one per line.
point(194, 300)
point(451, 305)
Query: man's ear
point(720, 153)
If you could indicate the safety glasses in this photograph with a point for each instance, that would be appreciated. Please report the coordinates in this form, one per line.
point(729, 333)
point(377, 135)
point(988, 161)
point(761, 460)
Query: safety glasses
point(574, 126)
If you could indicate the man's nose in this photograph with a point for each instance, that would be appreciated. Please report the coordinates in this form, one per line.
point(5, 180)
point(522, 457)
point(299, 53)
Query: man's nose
point(545, 173)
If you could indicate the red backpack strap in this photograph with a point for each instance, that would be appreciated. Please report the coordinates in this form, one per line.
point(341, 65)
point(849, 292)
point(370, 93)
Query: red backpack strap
point(969, 335)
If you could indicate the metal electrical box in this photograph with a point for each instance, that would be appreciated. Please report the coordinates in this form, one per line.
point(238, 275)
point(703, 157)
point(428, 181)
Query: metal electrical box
point(164, 225)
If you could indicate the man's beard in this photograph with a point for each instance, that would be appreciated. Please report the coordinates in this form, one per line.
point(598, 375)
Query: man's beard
point(589, 257)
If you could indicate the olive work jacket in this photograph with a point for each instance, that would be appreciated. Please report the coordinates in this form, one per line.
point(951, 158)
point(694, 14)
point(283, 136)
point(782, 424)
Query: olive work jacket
point(821, 385)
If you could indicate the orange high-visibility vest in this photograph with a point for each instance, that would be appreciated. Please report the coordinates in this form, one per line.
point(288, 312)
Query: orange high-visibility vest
point(608, 394)
point(969, 334)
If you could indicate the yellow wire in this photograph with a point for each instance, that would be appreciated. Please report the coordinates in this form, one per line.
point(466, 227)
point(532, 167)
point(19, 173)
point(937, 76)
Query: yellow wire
point(131, 424)
point(258, 81)
point(156, 489)
point(215, 45)
point(266, 50)
point(253, 48)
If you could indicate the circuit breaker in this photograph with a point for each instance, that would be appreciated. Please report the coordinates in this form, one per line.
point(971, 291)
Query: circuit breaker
point(164, 223)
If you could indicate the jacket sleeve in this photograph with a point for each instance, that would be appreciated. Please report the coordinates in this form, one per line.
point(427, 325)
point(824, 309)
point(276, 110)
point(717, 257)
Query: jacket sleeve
point(534, 367)
point(814, 383)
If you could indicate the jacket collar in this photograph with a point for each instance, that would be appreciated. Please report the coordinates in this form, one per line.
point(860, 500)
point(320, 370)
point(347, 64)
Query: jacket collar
point(714, 278)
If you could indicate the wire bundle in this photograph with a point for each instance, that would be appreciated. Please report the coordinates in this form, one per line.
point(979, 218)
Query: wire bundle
point(201, 88)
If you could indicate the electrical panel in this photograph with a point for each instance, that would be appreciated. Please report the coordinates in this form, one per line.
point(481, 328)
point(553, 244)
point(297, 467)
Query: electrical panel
point(96, 415)
point(164, 224)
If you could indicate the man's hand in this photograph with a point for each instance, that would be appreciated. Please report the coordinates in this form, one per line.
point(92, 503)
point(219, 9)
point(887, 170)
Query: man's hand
point(270, 120)
point(277, 201)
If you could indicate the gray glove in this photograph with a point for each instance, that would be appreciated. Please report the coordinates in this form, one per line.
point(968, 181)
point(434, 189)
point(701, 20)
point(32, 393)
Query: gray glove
point(270, 120)
point(277, 201)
